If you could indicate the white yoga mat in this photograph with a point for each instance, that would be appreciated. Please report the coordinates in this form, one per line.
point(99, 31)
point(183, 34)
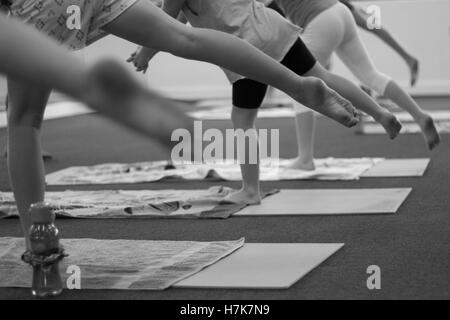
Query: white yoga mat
point(119, 264)
point(329, 202)
point(398, 168)
point(263, 266)
point(326, 169)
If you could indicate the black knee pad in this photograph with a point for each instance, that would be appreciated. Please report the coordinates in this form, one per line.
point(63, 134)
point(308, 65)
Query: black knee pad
point(248, 94)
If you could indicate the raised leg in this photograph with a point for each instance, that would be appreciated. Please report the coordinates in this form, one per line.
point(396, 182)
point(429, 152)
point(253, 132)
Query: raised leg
point(353, 53)
point(359, 98)
point(143, 24)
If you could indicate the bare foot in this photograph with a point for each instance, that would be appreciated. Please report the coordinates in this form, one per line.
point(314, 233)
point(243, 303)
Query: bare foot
point(429, 131)
point(300, 164)
point(117, 94)
point(317, 96)
point(414, 70)
point(391, 124)
point(244, 197)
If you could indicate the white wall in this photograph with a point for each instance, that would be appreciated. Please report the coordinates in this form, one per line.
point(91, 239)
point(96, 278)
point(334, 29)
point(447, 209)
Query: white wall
point(422, 26)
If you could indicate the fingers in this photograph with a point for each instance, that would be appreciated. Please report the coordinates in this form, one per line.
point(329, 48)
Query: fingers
point(131, 58)
point(134, 59)
point(142, 68)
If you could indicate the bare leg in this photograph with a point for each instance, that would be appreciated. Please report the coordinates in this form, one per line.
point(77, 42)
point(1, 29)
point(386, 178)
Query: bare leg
point(353, 53)
point(25, 164)
point(426, 123)
point(359, 98)
point(143, 24)
point(305, 125)
point(250, 193)
point(46, 156)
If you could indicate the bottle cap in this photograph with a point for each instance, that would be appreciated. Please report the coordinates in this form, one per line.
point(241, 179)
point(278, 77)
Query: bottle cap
point(41, 213)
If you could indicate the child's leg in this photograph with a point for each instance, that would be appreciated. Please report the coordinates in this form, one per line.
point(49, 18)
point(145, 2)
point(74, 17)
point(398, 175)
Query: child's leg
point(353, 53)
point(305, 126)
point(359, 98)
point(248, 96)
point(143, 24)
point(250, 193)
point(26, 168)
point(45, 154)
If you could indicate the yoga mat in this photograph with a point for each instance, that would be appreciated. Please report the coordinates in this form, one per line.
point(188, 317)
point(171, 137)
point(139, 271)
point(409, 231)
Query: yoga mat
point(329, 202)
point(326, 169)
point(398, 168)
point(263, 266)
point(109, 204)
point(120, 264)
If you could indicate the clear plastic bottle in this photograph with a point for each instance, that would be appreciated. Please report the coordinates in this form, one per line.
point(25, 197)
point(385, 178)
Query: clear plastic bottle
point(44, 239)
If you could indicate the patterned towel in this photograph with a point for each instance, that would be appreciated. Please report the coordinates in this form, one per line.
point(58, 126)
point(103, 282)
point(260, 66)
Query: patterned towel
point(120, 264)
point(102, 204)
point(110, 173)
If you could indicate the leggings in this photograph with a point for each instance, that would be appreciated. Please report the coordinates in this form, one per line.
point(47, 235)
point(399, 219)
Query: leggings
point(334, 30)
point(249, 94)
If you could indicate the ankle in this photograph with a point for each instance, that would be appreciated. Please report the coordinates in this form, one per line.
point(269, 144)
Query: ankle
point(251, 190)
point(305, 159)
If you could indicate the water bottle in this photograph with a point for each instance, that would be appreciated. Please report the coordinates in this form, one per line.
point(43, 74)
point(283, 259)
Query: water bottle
point(45, 250)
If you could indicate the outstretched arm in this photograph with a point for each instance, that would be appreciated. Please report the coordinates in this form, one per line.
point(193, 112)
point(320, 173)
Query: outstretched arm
point(219, 48)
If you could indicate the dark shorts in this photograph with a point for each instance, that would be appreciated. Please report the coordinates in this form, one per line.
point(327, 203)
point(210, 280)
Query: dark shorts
point(249, 94)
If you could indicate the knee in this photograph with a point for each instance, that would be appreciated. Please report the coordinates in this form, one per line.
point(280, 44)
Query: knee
point(376, 81)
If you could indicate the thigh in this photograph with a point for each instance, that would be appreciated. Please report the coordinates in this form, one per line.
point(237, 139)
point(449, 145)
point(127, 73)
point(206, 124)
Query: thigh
point(352, 51)
point(323, 35)
point(248, 94)
point(26, 103)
